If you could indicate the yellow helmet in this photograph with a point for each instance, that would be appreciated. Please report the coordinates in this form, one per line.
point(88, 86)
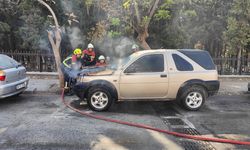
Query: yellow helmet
point(78, 51)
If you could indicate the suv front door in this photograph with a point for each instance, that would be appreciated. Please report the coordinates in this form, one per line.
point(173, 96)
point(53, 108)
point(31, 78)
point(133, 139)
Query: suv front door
point(145, 78)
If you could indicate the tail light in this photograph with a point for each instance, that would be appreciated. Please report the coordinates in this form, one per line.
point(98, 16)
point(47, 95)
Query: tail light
point(2, 76)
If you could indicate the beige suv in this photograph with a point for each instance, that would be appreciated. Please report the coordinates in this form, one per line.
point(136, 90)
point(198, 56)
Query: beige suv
point(188, 76)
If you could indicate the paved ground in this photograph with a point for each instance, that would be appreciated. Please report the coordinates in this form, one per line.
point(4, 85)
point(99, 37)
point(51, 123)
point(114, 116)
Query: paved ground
point(40, 121)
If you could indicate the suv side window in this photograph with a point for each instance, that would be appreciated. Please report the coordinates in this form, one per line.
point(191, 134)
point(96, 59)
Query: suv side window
point(148, 63)
point(181, 64)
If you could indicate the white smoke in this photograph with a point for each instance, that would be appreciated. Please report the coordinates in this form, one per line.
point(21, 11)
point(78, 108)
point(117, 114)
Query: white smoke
point(75, 36)
point(44, 44)
point(67, 5)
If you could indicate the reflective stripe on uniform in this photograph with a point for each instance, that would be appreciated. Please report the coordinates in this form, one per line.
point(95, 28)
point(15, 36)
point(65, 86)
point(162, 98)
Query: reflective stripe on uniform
point(66, 60)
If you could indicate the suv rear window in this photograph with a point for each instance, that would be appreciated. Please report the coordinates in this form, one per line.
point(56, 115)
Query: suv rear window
point(181, 64)
point(148, 63)
point(7, 62)
point(202, 58)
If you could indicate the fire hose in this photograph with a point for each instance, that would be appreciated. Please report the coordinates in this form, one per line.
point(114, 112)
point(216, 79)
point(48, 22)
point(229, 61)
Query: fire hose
point(181, 135)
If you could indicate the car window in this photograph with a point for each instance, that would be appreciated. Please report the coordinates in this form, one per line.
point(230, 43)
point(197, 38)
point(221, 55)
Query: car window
point(148, 63)
point(181, 64)
point(7, 62)
point(202, 58)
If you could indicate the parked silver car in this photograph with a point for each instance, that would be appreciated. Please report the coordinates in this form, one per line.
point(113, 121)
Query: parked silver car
point(13, 79)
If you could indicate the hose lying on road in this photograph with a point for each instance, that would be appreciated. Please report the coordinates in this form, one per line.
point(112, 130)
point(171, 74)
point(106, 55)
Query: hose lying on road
point(187, 136)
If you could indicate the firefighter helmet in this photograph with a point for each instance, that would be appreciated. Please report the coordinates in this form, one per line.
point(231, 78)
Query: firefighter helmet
point(90, 45)
point(78, 51)
point(101, 57)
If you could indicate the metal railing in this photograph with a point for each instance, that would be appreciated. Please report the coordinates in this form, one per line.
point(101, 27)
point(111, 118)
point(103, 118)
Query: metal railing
point(43, 61)
point(228, 66)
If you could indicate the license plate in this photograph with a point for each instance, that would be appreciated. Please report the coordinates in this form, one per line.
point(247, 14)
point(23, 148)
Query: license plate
point(20, 86)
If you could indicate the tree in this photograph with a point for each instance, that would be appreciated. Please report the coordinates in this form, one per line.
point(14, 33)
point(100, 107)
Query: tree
point(238, 29)
point(8, 19)
point(137, 15)
point(203, 21)
point(55, 41)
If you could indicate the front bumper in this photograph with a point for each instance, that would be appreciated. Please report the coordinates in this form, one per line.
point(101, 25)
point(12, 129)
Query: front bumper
point(212, 87)
point(8, 90)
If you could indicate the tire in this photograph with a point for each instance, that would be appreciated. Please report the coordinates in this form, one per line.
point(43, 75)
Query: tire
point(193, 98)
point(99, 99)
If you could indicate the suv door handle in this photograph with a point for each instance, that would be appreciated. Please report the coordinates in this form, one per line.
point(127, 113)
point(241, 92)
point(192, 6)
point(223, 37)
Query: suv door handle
point(164, 75)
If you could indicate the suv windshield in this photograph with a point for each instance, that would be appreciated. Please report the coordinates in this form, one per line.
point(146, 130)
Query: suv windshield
point(7, 62)
point(121, 62)
point(127, 59)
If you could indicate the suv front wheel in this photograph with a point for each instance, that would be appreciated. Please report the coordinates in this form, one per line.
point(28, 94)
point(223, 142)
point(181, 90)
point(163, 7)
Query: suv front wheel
point(193, 98)
point(99, 99)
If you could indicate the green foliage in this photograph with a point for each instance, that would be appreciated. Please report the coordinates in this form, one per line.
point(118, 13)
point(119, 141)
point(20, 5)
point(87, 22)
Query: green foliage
point(162, 14)
point(88, 2)
point(126, 4)
point(114, 34)
point(218, 24)
point(190, 13)
point(145, 20)
point(115, 21)
point(4, 27)
point(237, 35)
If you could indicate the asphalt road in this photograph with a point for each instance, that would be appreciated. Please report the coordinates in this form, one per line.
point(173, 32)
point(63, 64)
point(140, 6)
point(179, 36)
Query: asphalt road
point(42, 122)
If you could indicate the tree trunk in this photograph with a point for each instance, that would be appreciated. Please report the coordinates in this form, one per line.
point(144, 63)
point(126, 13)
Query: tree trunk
point(55, 43)
point(142, 36)
point(239, 61)
point(56, 50)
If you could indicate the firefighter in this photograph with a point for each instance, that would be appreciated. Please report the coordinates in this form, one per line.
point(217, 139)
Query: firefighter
point(101, 61)
point(89, 55)
point(70, 67)
point(74, 60)
point(199, 45)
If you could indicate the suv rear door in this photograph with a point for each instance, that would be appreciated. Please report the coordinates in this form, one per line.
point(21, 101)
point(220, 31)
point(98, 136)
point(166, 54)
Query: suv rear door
point(145, 78)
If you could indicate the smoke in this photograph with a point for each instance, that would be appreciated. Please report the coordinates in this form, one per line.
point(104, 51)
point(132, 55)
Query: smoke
point(74, 33)
point(115, 47)
point(44, 44)
point(75, 36)
point(67, 5)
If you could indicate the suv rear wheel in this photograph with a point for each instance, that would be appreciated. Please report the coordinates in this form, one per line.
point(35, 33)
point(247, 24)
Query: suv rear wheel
point(99, 99)
point(193, 98)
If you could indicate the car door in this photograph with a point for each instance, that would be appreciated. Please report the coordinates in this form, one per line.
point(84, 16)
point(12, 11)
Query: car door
point(145, 78)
